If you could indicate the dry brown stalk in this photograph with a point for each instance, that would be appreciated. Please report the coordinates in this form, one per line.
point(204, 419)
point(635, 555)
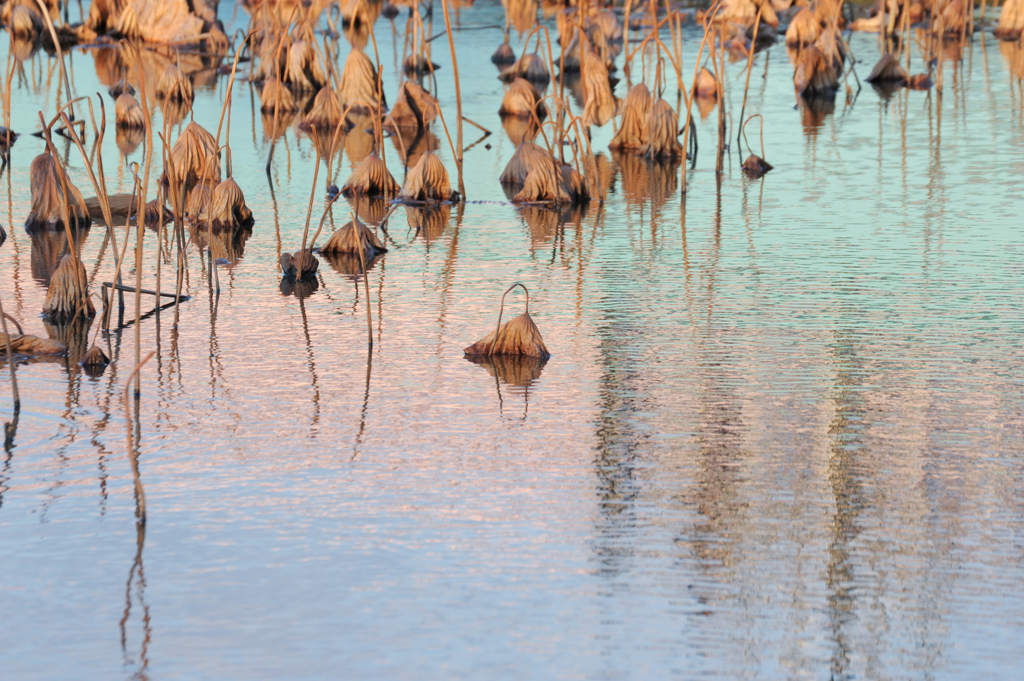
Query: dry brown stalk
point(133, 456)
point(10, 361)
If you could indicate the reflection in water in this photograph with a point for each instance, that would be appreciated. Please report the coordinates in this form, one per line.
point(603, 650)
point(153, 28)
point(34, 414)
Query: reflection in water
point(137, 577)
point(517, 371)
point(48, 247)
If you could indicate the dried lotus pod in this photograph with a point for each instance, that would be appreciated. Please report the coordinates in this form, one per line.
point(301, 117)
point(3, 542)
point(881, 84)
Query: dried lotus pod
point(94, 361)
point(414, 108)
point(227, 209)
point(663, 132)
point(195, 158)
point(1011, 20)
point(815, 74)
point(755, 166)
point(24, 21)
point(128, 112)
point(275, 96)
point(601, 104)
point(46, 184)
point(197, 202)
point(636, 109)
point(522, 99)
point(503, 55)
point(707, 84)
point(416, 65)
point(327, 111)
point(528, 155)
point(174, 85)
point(303, 71)
point(358, 86)
point(7, 139)
point(291, 263)
point(67, 293)
point(427, 181)
point(887, 70)
point(371, 178)
point(804, 29)
point(119, 88)
point(531, 67)
point(518, 337)
point(33, 346)
point(353, 237)
point(541, 185)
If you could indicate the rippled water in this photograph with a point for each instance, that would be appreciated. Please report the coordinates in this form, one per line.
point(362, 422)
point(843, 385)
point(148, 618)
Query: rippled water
point(780, 434)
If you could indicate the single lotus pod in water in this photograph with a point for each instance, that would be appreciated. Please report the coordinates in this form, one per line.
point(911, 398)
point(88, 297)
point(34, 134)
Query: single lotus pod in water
point(541, 185)
point(227, 207)
point(427, 181)
point(815, 74)
point(636, 109)
point(128, 112)
point(358, 85)
point(195, 157)
point(504, 55)
point(371, 178)
point(276, 96)
point(414, 108)
point(290, 264)
point(755, 166)
point(804, 29)
point(416, 65)
point(1011, 20)
point(522, 99)
point(175, 85)
point(94, 361)
point(707, 84)
point(46, 183)
point(326, 113)
point(353, 237)
point(271, 62)
point(518, 337)
point(601, 104)
point(24, 21)
point(67, 292)
point(954, 18)
point(303, 71)
point(119, 88)
point(527, 156)
point(574, 184)
point(888, 69)
point(197, 201)
point(7, 139)
point(663, 126)
point(531, 67)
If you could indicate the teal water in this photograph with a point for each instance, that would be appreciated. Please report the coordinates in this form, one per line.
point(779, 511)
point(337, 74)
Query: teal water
point(780, 434)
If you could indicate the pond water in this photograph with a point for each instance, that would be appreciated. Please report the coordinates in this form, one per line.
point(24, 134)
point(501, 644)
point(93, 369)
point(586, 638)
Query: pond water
point(780, 434)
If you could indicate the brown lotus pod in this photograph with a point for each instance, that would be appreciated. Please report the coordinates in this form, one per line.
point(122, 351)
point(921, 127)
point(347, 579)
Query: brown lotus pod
point(527, 156)
point(663, 128)
point(504, 55)
point(804, 29)
point(128, 112)
point(353, 237)
point(427, 181)
point(32, 346)
point(95, 359)
point(358, 86)
point(574, 184)
point(744, 13)
point(197, 202)
point(46, 184)
point(531, 67)
point(522, 99)
point(290, 264)
point(303, 71)
point(541, 185)
point(414, 108)
point(326, 113)
point(23, 20)
point(119, 88)
point(275, 96)
point(601, 104)
point(887, 70)
point(755, 166)
point(1011, 20)
point(7, 139)
point(68, 292)
point(195, 158)
point(636, 109)
point(518, 337)
point(271, 62)
point(815, 74)
point(371, 178)
point(227, 209)
point(954, 18)
point(418, 65)
point(707, 84)
point(174, 85)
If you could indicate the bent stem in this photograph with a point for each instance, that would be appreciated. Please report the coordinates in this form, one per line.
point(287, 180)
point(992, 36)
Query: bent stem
point(366, 284)
point(10, 360)
point(133, 456)
point(312, 195)
point(458, 96)
point(743, 130)
point(501, 310)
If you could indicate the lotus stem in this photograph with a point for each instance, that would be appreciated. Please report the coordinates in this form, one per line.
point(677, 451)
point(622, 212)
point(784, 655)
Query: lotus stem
point(10, 359)
point(458, 95)
point(501, 310)
point(312, 195)
point(231, 83)
point(693, 93)
point(743, 131)
point(133, 455)
point(323, 219)
point(60, 53)
point(750, 62)
point(366, 283)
